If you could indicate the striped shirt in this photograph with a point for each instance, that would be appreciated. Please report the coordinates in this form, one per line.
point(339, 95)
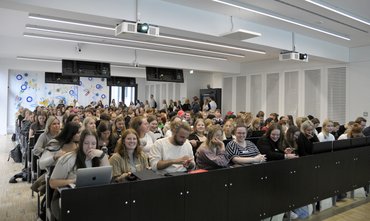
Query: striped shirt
point(233, 149)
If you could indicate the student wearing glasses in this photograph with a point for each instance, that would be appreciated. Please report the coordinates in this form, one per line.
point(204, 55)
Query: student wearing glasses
point(242, 151)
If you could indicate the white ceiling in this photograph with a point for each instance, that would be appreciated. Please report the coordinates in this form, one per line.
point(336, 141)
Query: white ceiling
point(14, 19)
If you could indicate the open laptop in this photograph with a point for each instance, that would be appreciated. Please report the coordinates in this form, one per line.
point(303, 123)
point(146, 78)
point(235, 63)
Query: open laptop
point(93, 176)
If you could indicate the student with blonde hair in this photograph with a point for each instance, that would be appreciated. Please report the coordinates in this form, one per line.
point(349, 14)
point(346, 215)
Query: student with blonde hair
point(325, 134)
point(306, 138)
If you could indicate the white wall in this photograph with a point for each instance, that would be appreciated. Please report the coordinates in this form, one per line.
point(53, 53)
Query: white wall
point(197, 81)
point(3, 98)
point(267, 67)
point(190, 88)
point(358, 83)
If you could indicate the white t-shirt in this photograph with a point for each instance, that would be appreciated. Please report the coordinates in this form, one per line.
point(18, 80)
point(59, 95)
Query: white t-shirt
point(343, 137)
point(213, 105)
point(323, 138)
point(163, 149)
point(146, 142)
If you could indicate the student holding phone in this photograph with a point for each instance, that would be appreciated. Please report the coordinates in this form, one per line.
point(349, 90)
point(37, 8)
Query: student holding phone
point(173, 154)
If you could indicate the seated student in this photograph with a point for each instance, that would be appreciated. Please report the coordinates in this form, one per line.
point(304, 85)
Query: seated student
point(228, 129)
point(173, 154)
point(335, 130)
point(350, 133)
point(291, 137)
point(89, 123)
point(254, 126)
point(325, 134)
point(241, 151)
point(66, 141)
point(154, 131)
point(52, 128)
point(197, 137)
point(118, 128)
point(167, 127)
point(128, 156)
point(86, 155)
point(141, 126)
point(271, 144)
point(366, 131)
point(211, 154)
point(316, 123)
point(268, 122)
point(306, 138)
point(355, 131)
point(105, 138)
point(38, 125)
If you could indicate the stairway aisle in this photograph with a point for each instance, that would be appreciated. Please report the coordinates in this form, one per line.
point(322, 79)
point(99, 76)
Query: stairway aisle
point(16, 202)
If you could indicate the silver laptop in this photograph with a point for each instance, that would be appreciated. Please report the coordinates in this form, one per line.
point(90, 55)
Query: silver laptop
point(93, 176)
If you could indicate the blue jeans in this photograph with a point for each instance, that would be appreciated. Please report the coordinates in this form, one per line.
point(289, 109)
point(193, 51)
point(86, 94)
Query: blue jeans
point(302, 212)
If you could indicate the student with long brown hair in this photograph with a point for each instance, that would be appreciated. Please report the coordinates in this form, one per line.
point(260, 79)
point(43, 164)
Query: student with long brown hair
point(212, 154)
point(128, 156)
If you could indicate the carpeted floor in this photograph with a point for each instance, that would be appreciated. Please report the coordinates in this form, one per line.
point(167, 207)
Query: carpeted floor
point(16, 202)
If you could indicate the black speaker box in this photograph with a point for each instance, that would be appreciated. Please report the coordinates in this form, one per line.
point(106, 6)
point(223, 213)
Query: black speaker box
point(164, 74)
point(121, 81)
point(58, 78)
point(85, 69)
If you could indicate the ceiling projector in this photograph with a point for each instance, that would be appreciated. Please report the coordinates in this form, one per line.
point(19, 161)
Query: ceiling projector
point(126, 28)
point(293, 56)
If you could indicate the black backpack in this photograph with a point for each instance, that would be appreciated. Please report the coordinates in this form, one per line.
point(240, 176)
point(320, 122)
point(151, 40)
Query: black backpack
point(16, 154)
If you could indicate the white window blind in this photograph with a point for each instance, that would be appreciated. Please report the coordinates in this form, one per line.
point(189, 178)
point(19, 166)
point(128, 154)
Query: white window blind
point(147, 92)
point(177, 91)
point(241, 92)
point(337, 94)
point(170, 91)
point(312, 92)
point(291, 93)
point(164, 93)
point(227, 95)
point(272, 93)
point(157, 93)
point(151, 90)
point(256, 94)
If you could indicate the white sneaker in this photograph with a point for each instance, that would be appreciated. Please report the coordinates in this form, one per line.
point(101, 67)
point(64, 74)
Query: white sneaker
point(293, 215)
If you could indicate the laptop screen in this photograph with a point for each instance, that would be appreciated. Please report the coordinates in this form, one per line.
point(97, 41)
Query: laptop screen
point(93, 176)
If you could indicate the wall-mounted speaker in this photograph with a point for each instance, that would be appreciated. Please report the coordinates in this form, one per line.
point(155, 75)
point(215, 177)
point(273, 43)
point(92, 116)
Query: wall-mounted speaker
point(58, 78)
point(164, 74)
point(85, 69)
point(121, 81)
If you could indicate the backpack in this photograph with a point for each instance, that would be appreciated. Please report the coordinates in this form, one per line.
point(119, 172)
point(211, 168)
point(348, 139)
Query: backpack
point(16, 154)
point(14, 137)
point(155, 104)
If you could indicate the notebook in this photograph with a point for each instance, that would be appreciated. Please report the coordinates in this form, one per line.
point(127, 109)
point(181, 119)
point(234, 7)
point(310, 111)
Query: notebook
point(93, 176)
point(147, 175)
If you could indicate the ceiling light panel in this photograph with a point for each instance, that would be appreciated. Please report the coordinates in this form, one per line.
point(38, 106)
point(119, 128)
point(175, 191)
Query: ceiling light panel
point(70, 21)
point(105, 27)
point(339, 11)
point(81, 34)
point(37, 59)
point(280, 18)
point(120, 46)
